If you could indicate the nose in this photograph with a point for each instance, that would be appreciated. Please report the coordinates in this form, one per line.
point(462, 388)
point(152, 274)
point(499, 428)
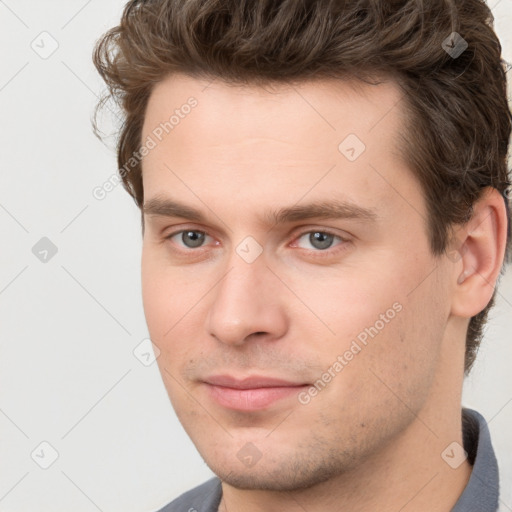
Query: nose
point(247, 304)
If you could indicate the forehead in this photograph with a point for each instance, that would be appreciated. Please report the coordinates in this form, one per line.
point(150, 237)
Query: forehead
point(284, 109)
point(254, 142)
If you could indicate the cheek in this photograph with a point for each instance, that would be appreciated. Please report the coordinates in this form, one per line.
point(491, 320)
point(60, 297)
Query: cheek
point(348, 303)
point(172, 300)
point(165, 312)
point(154, 302)
point(382, 320)
point(402, 360)
point(163, 297)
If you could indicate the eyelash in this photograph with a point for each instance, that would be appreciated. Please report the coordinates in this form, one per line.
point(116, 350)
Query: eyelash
point(330, 251)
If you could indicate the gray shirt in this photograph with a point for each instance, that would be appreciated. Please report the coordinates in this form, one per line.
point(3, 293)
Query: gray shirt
point(480, 495)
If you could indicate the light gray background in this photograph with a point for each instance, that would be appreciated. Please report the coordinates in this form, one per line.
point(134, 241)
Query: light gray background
point(68, 374)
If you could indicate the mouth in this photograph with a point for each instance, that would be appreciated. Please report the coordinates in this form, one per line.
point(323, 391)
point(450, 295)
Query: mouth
point(252, 393)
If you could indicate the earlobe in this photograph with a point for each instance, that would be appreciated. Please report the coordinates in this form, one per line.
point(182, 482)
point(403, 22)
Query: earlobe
point(482, 253)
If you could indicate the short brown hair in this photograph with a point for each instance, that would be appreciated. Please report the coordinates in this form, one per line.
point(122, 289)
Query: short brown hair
point(457, 104)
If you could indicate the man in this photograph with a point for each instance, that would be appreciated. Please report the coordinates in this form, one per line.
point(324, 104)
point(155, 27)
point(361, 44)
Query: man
point(323, 195)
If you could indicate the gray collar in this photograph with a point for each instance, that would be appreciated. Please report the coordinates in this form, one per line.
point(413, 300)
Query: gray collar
point(482, 491)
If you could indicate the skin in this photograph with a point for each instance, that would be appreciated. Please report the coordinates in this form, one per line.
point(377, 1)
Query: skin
point(372, 438)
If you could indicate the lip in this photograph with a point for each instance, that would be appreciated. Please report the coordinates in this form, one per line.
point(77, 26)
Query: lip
point(251, 393)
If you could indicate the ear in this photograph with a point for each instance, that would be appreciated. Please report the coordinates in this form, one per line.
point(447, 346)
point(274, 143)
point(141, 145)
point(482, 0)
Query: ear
point(482, 242)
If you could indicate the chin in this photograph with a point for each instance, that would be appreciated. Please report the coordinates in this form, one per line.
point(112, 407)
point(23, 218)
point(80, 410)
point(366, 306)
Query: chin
point(291, 476)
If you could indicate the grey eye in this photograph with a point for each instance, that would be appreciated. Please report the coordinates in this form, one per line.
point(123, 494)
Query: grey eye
point(192, 239)
point(320, 240)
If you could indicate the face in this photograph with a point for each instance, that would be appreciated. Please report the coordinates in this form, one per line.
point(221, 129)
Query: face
point(287, 277)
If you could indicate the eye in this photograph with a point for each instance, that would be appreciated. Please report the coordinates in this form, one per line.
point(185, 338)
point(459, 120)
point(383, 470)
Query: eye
point(189, 238)
point(319, 240)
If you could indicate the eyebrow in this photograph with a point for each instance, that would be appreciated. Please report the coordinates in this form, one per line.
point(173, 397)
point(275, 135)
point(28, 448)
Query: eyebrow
point(332, 209)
